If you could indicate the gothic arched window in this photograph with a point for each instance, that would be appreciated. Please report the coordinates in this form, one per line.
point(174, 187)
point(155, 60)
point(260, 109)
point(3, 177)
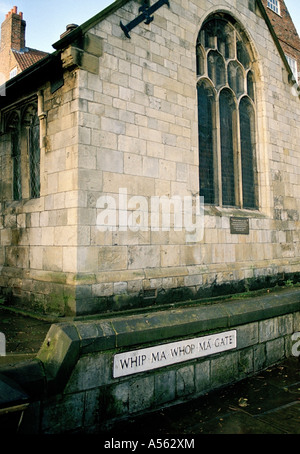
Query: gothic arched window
point(13, 126)
point(32, 125)
point(247, 129)
point(206, 141)
point(34, 157)
point(24, 128)
point(226, 115)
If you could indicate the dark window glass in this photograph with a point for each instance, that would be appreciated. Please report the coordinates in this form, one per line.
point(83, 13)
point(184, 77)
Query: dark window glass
point(227, 152)
point(205, 132)
point(228, 173)
point(250, 85)
point(236, 78)
point(16, 157)
point(34, 157)
point(216, 69)
point(209, 35)
point(242, 54)
point(248, 153)
point(225, 39)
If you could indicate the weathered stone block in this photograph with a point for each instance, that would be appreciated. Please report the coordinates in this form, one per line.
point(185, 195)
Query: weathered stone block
point(259, 357)
point(91, 371)
point(141, 394)
point(63, 413)
point(246, 363)
point(164, 387)
point(143, 257)
point(202, 376)
point(275, 350)
point(268, 329)
point(119, 399)
point(296, 317)
point(224, 369)
point(247, 335)
point(93, 44)
point(91, 415)
point(185, 381)
point(112, 258)
point(285, 324)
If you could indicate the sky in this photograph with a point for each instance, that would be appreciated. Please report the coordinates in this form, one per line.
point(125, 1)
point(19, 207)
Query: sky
point(46, 20)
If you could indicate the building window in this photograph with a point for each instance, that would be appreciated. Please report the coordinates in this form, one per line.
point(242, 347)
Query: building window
point(13, 126)
point(293, 65)
point(34, 157)
point(274, 6)
point(13, 73)
point(23, 126)
point(226, 116)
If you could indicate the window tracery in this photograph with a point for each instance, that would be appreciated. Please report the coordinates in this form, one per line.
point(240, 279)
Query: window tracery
point(226, 115)
point(22, 124)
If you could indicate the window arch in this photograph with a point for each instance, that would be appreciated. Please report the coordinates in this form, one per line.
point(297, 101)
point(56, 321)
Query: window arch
point(227, 121)
point(34, 157)
point(24, 128)
point(13, 127)
point(226, 115)
point(216, 68)
point(32, 124)
point(248, 160)
point(236, 78)
point(206, 103)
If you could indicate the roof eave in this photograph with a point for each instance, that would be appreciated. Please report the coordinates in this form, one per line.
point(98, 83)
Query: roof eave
point(28, 77)
point(274, 36)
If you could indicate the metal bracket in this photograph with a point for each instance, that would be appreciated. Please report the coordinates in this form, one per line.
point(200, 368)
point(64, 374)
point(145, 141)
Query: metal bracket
point(145, 17)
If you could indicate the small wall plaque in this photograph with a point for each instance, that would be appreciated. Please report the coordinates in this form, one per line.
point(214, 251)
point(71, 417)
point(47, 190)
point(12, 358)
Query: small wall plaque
point(239, 226)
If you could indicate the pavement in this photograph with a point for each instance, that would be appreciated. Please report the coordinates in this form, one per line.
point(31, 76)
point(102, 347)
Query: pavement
point(24, 334)
point(268, 403)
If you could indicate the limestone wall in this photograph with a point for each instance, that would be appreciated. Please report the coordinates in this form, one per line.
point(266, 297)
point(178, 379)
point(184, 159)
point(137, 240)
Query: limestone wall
point(139, 126)
point(38, 235)
point(125, 123)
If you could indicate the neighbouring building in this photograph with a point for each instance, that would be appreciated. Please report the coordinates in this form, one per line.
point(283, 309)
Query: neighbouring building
point(125, 116)
point(286, 33)
point(15, 57)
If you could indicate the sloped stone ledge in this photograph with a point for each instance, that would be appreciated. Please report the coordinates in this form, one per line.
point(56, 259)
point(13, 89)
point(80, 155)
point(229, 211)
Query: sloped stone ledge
point(65, 343)
point(74, 364)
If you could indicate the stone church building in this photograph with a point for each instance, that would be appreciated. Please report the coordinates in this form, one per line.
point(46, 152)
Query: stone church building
point(108, 142)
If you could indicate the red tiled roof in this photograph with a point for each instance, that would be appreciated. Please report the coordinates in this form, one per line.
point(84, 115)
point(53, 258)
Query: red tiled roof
point(27, 57)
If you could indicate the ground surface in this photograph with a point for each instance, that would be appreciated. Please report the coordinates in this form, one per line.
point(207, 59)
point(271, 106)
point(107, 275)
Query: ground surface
point(268, 403)
point(23, 334)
